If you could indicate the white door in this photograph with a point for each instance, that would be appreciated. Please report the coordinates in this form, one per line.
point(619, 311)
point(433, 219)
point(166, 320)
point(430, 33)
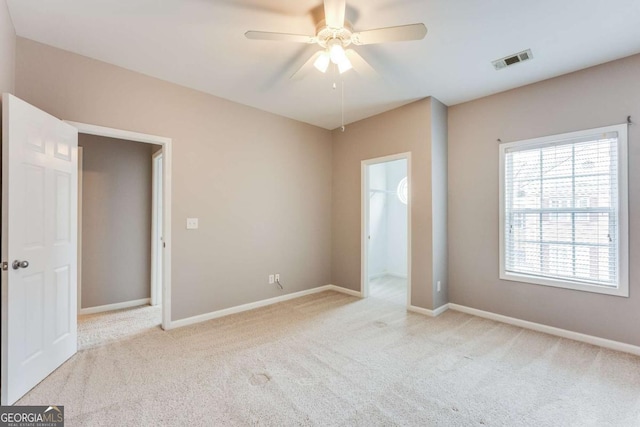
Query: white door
point(39, 245)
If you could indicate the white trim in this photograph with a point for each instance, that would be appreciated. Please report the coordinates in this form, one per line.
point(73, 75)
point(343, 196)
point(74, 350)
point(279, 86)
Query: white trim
point(623, 206)
point(622, 290)
point(116, 306)
point(119, 133)
point(80, 178)
point(156, 288)
point(166, 144)
point(364, 233)
point(431, 313)
point(340, 289)
point(167, 163)
point(387, 274)
point(438, 311)
point(257, 304)
point(364, 220)
point(563, 333)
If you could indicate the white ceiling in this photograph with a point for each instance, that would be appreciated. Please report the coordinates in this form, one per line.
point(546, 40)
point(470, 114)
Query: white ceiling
point(201, 44)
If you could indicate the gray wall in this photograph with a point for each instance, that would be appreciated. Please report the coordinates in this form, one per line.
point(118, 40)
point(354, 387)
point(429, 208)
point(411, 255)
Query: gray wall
point(7, 49)
point(260, 183)
point(598, 96)
point(116, 220)
point(439, 141)
point(406, 129)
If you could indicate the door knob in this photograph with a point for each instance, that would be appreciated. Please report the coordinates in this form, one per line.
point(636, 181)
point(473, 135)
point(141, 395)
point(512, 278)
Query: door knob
point(19, 264)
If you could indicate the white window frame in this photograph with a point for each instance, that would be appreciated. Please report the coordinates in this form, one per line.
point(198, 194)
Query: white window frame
point(622, 289)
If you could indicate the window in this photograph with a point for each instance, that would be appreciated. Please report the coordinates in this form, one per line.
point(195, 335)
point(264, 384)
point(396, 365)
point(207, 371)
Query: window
point(403, 190)
point(564, 212)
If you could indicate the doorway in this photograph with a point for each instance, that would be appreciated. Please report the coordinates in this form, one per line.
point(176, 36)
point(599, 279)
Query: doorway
point(386, 224)
point(39, 189)
point(159, 196)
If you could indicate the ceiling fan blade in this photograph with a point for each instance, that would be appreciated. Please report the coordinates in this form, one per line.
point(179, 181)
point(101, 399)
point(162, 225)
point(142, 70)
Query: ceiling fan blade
point(361, 66)
point(390, 34)
point(334, 11)
point(280, 37)
point(306, 67)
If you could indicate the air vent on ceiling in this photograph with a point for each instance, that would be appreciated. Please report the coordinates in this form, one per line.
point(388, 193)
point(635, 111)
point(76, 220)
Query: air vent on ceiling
point(501, 63)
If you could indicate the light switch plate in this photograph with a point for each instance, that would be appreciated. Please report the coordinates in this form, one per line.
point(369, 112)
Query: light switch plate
point(192, 223)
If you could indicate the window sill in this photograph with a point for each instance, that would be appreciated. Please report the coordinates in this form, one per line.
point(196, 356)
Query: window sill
point(620, 291)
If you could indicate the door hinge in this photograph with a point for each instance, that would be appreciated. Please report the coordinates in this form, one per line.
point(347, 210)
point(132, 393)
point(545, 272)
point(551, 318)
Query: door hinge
point(5, 266)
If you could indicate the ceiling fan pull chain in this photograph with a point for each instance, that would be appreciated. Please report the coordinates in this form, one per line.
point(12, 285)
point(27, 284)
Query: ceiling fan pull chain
point(342, 127)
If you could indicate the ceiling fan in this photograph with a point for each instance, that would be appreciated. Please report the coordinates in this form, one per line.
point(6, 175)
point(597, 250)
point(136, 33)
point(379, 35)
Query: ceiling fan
point(335, 35)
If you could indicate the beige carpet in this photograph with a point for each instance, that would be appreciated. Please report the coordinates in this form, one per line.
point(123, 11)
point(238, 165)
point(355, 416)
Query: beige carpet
point(333, 360)
point(103, 328)
point(389, 288)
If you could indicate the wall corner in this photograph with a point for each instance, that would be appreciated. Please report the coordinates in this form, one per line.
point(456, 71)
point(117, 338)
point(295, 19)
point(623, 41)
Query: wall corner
point(439, 195)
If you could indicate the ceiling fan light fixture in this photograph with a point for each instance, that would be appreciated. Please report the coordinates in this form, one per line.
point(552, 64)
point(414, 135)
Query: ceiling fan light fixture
point(345, 65)
point(322, 62)
point(337, 53)
point(334, 35)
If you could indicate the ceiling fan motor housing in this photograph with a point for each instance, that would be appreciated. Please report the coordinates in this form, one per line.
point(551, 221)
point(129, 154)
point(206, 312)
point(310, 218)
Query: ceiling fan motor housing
point(326, 35)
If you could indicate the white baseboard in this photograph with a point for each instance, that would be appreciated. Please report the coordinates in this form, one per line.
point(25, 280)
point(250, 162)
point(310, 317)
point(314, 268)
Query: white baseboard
point(397, 275)
point(438, 311)
point(257, 304)
point(431, 313)
point(116, 306)
point(344, 290)
point(387, 274)
point(576, 336)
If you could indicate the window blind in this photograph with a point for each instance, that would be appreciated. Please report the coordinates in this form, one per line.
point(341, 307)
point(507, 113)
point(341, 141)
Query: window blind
point(561, 210)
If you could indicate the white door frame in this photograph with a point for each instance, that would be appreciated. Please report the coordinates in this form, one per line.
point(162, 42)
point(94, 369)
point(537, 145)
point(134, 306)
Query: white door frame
point(80, 178)
point(166, 196)
point(156, 253)
point(364, 221)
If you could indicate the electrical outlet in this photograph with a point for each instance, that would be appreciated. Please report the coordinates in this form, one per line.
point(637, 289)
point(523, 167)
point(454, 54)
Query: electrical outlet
point(272, 280)
point(192, 223)
point(277, 277)
point(439, 286)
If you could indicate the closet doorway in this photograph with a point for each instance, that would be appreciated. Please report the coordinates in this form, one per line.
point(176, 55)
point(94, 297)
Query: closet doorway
point(386, 225)
point(125, 273)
